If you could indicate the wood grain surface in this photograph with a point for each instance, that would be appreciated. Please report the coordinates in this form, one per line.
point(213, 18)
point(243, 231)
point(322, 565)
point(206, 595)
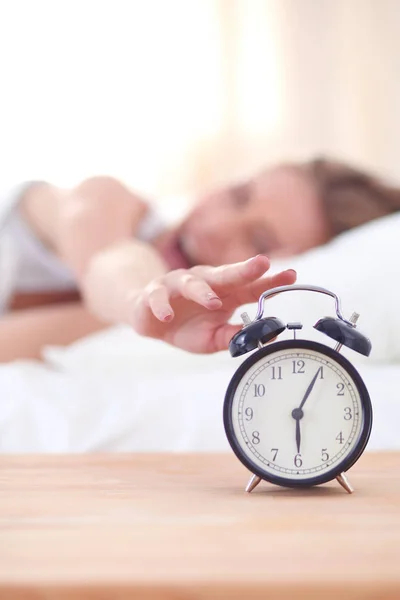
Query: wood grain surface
point(181, 527)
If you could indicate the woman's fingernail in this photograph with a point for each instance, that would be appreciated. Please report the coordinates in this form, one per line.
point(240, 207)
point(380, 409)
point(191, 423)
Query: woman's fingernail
point(291, 271)
point(257, 256)
point(213, 301)
point(212, 296)
point(167, 317)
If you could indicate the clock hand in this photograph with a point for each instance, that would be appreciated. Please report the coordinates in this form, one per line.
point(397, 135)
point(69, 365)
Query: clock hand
point(298, 414)
point(309, 389)
point(298, 436)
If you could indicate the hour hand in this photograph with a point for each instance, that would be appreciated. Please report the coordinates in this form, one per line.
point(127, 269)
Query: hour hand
point(297, 415)
point(298, 435)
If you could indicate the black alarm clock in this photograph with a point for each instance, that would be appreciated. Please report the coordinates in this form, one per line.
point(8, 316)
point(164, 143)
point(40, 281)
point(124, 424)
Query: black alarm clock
point(296, 412)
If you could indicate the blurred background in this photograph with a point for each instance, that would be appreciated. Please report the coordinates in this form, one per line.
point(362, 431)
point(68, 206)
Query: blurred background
point(175, 97)
point(179, 96)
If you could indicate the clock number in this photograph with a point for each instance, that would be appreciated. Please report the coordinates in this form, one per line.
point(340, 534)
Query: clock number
point(325, 455)
point(249, 413)
point(298, 461)
point(276, 452)
point(340, 387)
point(259, 390)
point(276, 372)
point(347, 413)
point(340, 438)
point(256, 437)
point(298, 367)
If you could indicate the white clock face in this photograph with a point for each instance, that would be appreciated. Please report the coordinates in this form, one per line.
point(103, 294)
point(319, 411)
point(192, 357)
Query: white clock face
point(297, 414)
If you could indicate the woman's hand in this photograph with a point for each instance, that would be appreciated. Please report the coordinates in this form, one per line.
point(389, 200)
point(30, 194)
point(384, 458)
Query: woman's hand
point(191, 308)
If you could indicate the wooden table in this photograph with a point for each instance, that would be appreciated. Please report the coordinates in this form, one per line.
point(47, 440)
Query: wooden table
point(181, 527)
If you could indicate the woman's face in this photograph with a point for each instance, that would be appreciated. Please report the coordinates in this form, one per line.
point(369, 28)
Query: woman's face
point(277, 213)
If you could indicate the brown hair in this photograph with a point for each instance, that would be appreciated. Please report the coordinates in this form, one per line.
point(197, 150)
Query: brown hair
point(350, 196)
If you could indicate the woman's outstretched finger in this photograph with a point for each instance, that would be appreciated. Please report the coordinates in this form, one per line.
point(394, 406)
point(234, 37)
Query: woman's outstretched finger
point(228, 276)
point(159, 303)
point(252, 291)
point(196, 289)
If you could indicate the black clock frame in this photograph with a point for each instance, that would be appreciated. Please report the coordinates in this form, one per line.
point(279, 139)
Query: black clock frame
point(298, 344)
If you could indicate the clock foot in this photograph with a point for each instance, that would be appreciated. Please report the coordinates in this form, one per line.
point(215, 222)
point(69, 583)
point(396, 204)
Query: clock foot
point(344, 482)
point(253, 483)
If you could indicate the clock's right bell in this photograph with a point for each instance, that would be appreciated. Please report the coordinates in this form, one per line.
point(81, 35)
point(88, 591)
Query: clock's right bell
point(344, 334)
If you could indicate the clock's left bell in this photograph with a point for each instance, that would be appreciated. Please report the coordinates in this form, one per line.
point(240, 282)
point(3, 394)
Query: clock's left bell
point(249, 338)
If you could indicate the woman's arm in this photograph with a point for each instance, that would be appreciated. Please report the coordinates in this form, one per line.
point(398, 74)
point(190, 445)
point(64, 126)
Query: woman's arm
point(78, 222)
point(91, 227)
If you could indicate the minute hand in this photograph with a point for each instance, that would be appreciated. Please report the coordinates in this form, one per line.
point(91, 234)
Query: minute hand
point(310, 387)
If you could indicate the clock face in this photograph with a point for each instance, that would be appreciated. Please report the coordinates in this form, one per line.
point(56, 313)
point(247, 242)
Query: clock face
point(297, 413)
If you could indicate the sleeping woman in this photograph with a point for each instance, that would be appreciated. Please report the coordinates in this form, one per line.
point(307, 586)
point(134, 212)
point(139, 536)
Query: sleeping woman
point(96, 255)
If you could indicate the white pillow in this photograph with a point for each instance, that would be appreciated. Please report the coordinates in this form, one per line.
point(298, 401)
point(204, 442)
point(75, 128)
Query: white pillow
point(362, 266)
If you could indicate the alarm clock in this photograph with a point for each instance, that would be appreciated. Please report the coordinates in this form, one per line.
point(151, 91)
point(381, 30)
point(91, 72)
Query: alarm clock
point(296, 412)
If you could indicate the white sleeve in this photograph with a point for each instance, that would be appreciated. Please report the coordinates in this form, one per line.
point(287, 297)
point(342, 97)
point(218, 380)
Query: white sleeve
point(9, 199)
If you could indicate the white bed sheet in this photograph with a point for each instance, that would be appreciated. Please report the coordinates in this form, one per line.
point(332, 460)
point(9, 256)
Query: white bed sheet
point(119, 392)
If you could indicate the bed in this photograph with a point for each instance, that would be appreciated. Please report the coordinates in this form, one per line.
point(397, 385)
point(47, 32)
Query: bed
point(118, 392)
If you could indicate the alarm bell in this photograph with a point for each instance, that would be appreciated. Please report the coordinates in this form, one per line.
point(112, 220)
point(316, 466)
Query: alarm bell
point(257, 332)
point(345, 334)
